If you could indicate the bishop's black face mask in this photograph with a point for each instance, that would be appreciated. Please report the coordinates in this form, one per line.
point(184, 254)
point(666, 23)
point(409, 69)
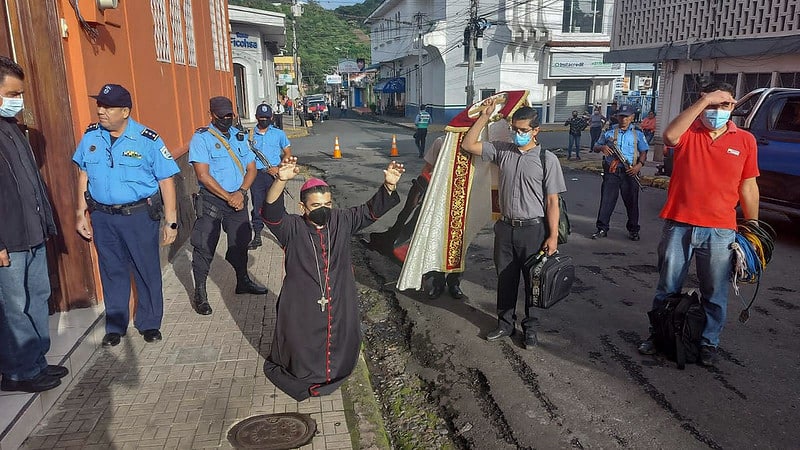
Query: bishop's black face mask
point(223, 123)
point(320, 216)
point(263, 124)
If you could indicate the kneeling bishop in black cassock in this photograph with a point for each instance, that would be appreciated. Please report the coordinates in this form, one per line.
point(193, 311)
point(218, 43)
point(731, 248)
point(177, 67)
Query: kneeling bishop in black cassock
point(317, 334)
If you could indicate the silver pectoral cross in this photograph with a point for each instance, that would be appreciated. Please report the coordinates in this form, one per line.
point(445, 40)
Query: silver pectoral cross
point(322, 302)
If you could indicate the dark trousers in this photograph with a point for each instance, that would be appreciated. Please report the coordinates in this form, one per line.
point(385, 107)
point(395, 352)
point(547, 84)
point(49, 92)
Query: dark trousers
point(125, 245)
point(595, 133)
point(574, 143)
point(419, 139)
point(616, 184)
point(205, 236)
point(512, 246)
point(258, 190)
point(278, 120)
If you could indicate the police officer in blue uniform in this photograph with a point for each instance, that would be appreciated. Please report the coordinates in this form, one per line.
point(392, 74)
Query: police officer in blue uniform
point(125, 178)
point(270, 145)
point(225, 168)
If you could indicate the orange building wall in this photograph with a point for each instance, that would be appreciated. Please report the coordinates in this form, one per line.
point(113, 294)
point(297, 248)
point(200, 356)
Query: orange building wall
point(167, 97)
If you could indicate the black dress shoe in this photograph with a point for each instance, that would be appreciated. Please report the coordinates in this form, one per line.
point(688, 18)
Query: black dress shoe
point(248, 286)
point(111, 339)
point(599, 234)
point(455, 291)
point(708, 355)
point(435, 291)
point(498, 333)
point(151, 335)
point(200, 301)
point(41, 383)
point(56, 371)
point(530, 340)
point(634, 236)
point(255, 243)
point(647, 347)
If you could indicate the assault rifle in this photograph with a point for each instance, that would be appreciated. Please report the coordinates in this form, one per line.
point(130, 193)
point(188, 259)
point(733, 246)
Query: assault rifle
point(615, 151)
point(260, 156)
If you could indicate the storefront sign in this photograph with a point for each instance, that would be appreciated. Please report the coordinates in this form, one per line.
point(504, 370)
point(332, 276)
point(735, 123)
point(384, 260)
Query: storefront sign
point(285, 77)
point(576, 65)
point(333, 79)
point(244, 40)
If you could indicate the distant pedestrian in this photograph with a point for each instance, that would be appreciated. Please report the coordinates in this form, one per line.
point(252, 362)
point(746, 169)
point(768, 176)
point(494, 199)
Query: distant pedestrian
point(612, 114)
point(343, 108)
point(317, 331)
point(125, 175)
point(225, 169)
point(278, 117)
point(716, 166)
point(271, 145)
point(596, 123)
point(576, 125)
point(422, 121)
point(648, 126)
point(618, 181)
point(27, 222)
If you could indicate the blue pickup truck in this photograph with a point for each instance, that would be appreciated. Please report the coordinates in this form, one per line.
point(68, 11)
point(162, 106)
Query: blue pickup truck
point(772, 115)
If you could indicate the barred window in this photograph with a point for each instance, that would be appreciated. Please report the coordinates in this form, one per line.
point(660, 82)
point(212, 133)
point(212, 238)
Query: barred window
point(176, 24)
point(160, 30)
point(188, 19)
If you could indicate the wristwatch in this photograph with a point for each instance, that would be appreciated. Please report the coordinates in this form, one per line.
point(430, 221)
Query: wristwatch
point(173, 225)
point(243, 191)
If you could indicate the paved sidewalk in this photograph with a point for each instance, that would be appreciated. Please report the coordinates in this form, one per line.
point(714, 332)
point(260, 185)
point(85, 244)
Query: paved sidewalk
point(189, 389)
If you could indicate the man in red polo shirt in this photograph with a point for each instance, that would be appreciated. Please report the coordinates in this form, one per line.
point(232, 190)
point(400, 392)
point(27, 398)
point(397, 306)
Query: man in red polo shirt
point(715, 167)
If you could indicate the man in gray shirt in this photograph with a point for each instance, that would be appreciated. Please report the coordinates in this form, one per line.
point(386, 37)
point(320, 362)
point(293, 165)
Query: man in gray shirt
point(530, 216)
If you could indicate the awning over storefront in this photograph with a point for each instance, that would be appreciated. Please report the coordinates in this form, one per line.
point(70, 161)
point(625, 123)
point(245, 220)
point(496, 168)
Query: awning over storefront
point(391, 86)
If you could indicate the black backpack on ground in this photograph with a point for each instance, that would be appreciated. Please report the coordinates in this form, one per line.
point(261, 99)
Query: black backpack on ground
point(677, 328)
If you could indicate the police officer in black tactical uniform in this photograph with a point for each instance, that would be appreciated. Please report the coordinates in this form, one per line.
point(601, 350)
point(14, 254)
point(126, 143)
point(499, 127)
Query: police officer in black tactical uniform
point(225, 168)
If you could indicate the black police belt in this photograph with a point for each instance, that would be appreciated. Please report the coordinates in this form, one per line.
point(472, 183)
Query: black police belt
point(125, 210)
point(521, 222)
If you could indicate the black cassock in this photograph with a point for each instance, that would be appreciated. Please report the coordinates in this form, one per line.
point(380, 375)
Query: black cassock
point(316, 343)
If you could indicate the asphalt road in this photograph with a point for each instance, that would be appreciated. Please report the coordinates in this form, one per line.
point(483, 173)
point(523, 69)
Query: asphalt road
point(584, 385)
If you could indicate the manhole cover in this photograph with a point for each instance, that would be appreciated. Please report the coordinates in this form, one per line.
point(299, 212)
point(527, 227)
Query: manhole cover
point(273, 431)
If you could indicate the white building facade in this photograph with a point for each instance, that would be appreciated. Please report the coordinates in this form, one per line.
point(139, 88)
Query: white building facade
point(555, 50)
point(256, 37)
point(747, 43)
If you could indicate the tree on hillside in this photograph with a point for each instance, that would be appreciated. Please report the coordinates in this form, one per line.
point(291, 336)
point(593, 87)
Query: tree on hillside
point(319, 33)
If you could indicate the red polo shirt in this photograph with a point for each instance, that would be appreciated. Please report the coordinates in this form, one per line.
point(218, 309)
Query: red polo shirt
point(706, 175)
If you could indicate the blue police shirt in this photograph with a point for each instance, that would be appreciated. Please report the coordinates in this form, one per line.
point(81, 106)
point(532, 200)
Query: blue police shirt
point(127, 171)
point(208, 149)
point(624, 142)
point(271, 143)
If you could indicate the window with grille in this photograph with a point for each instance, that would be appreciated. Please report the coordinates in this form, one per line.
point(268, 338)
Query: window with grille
point(789, 80)
point(188, 19)
point(583, 16)
point(161, 30)
point(212, 5)
point(693, 83)
point(176, 24)
point(219, 46)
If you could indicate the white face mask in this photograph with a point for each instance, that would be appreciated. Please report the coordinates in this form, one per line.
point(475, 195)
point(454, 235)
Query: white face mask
point(11, 106)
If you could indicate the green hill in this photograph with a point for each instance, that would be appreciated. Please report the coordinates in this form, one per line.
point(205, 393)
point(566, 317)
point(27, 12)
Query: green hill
point(319, 33)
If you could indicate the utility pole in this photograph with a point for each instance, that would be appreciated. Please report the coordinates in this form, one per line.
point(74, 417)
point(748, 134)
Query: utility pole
point(471, 37)
point(297, 11)
point(418, 17)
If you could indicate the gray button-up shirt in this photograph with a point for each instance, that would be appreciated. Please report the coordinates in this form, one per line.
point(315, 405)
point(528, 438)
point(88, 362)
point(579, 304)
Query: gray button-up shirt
point(521, 175)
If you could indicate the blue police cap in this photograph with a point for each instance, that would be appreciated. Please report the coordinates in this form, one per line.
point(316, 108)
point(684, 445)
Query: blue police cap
point(626, 110)
point(263, 110)
point(114, 95)
point(220, 106)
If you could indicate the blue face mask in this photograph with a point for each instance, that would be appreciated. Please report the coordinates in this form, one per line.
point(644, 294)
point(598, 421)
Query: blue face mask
point(521, 140)
point(714, 119)
point(10, 107)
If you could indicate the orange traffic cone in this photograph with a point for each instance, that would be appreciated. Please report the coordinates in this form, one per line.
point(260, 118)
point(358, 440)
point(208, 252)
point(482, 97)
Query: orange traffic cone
point(394, 146)
point(337, 152)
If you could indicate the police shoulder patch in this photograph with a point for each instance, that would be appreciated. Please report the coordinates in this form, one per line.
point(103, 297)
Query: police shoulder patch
point(165, 153)
point(150, 134)
point(92, 127)
point(201, 130)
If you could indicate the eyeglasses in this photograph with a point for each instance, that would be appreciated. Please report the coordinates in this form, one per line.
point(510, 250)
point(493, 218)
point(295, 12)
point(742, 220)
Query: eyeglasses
point(520, 130)
point(110, 158)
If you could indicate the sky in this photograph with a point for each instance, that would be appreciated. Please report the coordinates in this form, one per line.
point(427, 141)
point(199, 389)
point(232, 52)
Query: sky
point(333, 4)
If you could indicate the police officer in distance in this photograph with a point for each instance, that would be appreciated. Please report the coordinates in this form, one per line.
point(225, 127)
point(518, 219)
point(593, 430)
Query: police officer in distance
point(225, 168)
point(271, 144)
point(125, 177)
